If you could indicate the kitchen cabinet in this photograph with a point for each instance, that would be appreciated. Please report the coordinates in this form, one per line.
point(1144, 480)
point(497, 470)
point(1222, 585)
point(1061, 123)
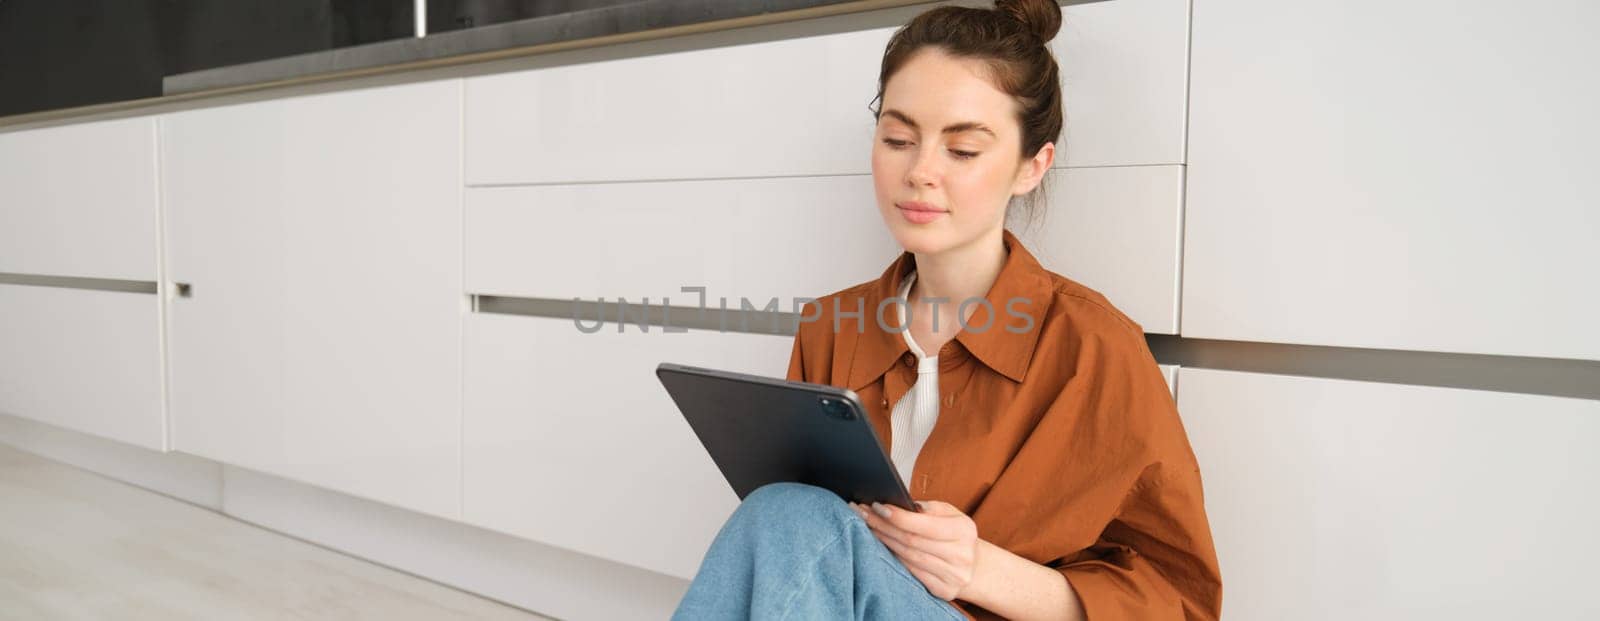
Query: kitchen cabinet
point(787, 107)
point(1124, 82)
point(571, 441)
point(80, 200)
point(84, 360)
point(320, 339)
point(1337, 499)
point(756, 239)
point(1117, 230)
point(1395, 176)
point(799, 106)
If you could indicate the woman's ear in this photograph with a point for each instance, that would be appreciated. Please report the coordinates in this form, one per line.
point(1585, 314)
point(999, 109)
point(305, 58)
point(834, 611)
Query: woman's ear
point(1031, 171)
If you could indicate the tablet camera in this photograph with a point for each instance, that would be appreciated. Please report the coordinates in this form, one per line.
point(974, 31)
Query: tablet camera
point(836, 408)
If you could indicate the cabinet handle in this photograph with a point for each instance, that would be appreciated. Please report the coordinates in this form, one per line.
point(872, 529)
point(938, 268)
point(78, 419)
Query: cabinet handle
point(78, 282)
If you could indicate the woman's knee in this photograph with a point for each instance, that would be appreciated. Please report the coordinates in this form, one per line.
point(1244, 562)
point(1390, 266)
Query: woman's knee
point(788, 501)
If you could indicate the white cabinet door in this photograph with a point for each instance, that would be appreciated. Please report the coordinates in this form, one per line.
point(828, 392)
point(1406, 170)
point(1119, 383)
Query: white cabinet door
point(1124, 82)
point(1333, 499)
point(80, 200)
point(756, 239)
point(1117, 230)
point(321, 341)
point(1396, 175)
point(84, 360)
point(570, 440)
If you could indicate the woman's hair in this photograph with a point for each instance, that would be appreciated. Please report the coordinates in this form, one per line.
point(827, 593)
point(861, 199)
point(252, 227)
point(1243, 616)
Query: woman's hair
point(1012, 39)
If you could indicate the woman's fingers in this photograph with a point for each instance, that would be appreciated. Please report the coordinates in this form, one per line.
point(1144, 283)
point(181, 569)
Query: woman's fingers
point(938, 508)
point(879, 523)
point(929, 559)
point(934, 554)
point(942, 526)
point(944, 565)
point(933, 579)
point(889, 532)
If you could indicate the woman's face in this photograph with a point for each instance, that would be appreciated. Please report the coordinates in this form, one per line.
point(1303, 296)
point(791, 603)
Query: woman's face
point(945, 154)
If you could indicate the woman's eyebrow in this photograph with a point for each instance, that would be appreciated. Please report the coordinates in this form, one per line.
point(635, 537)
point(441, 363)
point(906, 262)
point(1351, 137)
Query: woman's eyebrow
point(954, 128)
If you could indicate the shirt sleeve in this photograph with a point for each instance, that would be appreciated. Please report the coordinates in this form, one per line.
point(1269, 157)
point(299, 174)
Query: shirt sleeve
point(1155, 558)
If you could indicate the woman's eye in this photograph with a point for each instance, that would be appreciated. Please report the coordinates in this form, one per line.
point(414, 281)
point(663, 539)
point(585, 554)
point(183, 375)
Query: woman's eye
point(900, 144)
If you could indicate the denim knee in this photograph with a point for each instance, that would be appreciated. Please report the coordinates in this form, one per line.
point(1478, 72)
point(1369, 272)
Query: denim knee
point(789, 502)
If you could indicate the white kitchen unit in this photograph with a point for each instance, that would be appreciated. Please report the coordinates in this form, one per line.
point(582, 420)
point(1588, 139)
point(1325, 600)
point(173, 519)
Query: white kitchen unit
point(1392, 175)
point(800, 106)
point(80, 200)
point(320, 341)
point(1124, 82)
point(752, 238)
point(1335, 499)
point(84, 360)
point(571, 441)
point(1170, 372)
point(1119, 231)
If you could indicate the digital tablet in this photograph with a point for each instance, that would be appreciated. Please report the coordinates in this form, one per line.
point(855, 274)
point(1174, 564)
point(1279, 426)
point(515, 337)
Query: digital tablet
point(762, 430)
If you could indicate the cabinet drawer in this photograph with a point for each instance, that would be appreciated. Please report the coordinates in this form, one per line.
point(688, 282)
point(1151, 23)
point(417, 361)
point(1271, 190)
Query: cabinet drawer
point(1124, 82)
point(1380, 195)
point(1333, 499)
point(753, 238)
point(1117, 230)
point(787, 107)
point(799, 106)
point(84, 360)
point(570, 440)
point(1113, 229)
point(80, 200)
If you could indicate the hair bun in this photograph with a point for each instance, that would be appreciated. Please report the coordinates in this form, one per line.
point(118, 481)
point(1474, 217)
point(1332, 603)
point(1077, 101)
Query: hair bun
point(1042, 17)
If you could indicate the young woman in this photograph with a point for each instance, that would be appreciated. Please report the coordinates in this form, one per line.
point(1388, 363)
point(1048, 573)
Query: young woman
point(1058, 482)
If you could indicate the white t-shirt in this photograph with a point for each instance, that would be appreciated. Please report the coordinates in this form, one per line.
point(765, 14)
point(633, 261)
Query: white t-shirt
point(915, 413)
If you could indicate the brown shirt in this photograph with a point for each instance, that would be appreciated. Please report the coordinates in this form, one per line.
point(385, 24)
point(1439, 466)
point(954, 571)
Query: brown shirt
point(1056, 433)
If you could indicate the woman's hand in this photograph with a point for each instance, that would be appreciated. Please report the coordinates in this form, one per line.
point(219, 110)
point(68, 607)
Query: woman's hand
point(939, 545)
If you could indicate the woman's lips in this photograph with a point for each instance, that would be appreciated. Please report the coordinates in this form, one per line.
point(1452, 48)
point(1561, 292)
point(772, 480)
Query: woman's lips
point(919, 213)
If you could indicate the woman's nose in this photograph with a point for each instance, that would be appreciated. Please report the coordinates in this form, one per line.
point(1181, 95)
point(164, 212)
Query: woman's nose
point(924, 170)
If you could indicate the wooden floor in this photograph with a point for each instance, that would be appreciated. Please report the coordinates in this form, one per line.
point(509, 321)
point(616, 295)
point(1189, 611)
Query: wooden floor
point(75, 545)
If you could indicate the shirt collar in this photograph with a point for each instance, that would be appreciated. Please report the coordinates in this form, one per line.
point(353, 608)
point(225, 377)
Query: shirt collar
point(1022, 282)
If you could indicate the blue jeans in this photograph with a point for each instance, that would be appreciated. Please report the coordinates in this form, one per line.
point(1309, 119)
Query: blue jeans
point(795, 551)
